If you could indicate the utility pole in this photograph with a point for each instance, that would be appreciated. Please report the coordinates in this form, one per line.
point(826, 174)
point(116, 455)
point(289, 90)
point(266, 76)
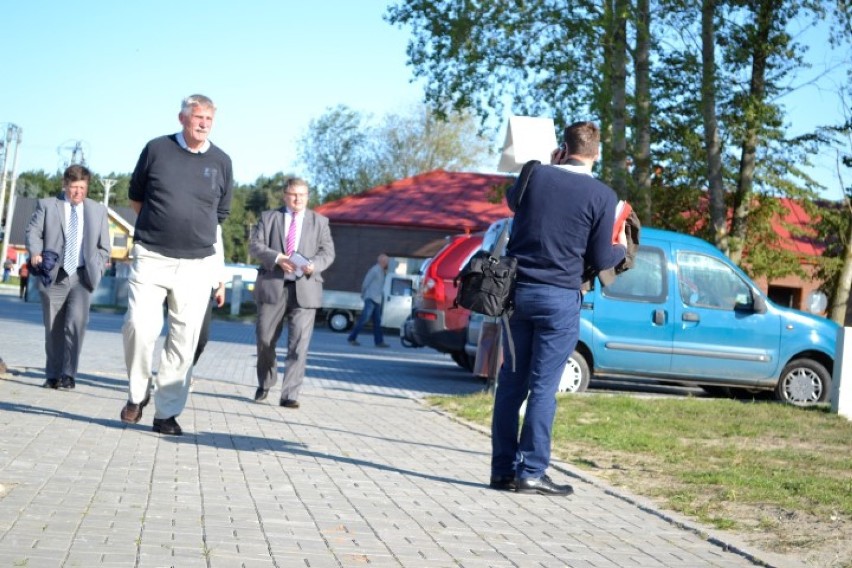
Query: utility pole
point(107, 183)
point(9, 132)
point(10, 213)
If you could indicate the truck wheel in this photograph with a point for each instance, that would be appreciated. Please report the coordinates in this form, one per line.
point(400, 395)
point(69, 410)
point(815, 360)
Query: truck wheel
point(576, 376)
point(803, 382)
point(339, 320)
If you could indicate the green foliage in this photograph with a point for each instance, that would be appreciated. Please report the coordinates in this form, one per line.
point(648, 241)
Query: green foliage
point(336, 153)
point(38, 184)
point(549, 57)
point(344, 153)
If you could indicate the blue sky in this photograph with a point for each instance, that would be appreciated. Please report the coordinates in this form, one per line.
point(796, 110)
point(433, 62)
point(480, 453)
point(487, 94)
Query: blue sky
point(112, 74)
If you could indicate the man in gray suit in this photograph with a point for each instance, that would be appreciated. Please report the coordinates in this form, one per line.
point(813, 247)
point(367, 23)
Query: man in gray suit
point(294, 246)
point(68, 241)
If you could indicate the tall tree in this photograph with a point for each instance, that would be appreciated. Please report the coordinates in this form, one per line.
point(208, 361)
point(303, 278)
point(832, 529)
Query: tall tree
point(336, 153)
point(642, 174)
point(365, 155)
point(712, 137)
point(420, 140)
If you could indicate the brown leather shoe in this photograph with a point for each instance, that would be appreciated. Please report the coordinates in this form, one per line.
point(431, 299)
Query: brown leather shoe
point(131, 413)
point(288, 403)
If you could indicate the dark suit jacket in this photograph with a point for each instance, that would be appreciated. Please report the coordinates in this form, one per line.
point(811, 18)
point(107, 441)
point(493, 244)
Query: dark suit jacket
point(268, 240)
point(46, 231)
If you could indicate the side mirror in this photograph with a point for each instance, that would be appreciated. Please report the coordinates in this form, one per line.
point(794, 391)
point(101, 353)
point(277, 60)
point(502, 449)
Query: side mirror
point(756, 305)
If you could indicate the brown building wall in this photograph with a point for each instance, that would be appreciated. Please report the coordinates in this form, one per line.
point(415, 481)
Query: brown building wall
point(357, 246)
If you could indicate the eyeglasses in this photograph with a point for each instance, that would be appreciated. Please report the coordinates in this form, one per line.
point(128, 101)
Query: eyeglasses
point(299, 195)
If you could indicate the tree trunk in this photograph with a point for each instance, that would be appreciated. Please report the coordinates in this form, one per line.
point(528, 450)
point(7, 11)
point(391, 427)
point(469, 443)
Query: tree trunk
point(618, 37)
point(745, 185)
point(712, 146)
point(642, 117)
point(840, 301)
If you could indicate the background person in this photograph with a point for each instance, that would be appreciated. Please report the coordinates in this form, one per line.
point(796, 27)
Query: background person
point(24, 278)
point(372, 290)
point(73, 230)
point(217, 299)
point(563, 225)
point(181, 190)
point(284, 291)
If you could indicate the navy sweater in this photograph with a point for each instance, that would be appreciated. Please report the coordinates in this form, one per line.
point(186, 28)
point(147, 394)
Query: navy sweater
point(184, 196)
point(563, 224)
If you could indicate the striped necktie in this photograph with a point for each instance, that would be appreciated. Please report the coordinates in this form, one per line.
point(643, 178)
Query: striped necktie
point(69, 263)
point(291, 235)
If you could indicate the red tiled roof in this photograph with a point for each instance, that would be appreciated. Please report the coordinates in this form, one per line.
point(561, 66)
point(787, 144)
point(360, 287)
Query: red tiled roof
point(435, 200)
point(798, 218)
point(463, 202)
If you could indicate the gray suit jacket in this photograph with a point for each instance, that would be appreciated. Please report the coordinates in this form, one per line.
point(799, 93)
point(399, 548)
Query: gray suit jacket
point(268, 240)
point(46, 231)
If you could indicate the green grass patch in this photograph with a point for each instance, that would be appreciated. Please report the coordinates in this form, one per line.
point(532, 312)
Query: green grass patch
point(702, 457)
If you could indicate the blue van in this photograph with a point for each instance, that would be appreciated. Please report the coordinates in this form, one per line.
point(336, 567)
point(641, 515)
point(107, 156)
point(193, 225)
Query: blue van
point(686, 314)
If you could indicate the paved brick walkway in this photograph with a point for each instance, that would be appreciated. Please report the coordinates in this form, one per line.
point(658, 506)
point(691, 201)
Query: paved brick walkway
point(362, 475)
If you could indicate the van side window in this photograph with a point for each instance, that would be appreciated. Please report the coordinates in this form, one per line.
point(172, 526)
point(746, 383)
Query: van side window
point(707, 282)
point(645, 282)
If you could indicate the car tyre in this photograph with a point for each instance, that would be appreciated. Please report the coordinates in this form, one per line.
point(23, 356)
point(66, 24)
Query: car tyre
point(803, 382)
point(339, 321)
point(576, 376)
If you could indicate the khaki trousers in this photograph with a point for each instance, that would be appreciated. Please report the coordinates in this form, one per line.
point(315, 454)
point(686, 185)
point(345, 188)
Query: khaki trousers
point(184, 284)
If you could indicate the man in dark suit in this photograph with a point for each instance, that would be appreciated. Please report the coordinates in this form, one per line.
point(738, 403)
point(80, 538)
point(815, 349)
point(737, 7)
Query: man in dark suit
point(294, 246)
point(73, 230)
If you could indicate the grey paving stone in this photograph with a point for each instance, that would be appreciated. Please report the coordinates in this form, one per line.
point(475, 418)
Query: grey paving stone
point(362, 474)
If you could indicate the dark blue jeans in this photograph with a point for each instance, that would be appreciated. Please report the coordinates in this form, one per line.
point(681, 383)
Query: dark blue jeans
point(373, 311)
point(545, 328)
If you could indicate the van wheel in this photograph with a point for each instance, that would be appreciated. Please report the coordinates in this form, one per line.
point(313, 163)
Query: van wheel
point(576, 376)
point(339, 320)
point(803, 382)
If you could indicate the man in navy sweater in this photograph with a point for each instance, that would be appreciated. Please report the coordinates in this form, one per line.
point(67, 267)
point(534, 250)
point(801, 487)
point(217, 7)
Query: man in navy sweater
point(181, 190)
point(562, 226)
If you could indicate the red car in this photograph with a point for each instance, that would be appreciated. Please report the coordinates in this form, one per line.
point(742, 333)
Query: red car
point(434, 322)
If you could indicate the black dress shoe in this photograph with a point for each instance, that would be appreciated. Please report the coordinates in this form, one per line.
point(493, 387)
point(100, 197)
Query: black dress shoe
point(260, 394)
point(67, 383)
point(503, 482)
point(543, 486)
point(289, 403)
point(51, 384)
point(168, 426)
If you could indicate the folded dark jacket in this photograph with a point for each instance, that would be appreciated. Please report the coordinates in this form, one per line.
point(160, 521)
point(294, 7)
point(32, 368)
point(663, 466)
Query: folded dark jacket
point(48, 261)
point(607, 276)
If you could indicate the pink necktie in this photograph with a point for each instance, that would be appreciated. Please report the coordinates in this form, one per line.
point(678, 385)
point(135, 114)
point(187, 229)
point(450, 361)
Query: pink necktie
point(291, 235)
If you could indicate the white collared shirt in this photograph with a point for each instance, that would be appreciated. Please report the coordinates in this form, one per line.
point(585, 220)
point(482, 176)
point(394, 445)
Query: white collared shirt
point(182, 142)
point(576, 169)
